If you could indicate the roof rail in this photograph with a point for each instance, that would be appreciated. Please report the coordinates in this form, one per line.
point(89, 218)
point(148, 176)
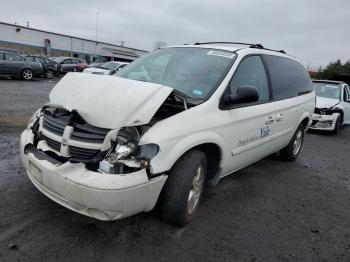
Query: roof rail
point(231, 43)
point(259, 46)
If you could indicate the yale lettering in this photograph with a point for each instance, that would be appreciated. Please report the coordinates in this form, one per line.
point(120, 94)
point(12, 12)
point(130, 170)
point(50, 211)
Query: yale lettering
point(264, 131)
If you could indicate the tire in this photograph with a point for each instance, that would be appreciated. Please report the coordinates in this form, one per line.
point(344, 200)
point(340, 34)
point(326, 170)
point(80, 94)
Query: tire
point(27, 74)
point(292, 150)
point(337, 125)
point(49, 74)
point(183, 190)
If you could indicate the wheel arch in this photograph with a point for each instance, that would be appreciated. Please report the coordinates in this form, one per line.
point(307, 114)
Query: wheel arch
point(211, 143)
point(305, 119)
point(213, 153)
point(341, 112)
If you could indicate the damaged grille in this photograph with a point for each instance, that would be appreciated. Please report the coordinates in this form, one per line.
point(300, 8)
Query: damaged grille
point(81, 154)
point(55, 125)
point(82, 132)
point(323, 111)
point(88, 133)
point(52, 143)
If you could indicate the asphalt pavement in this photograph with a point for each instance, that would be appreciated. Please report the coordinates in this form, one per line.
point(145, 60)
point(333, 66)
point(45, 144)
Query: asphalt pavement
point(269, 211)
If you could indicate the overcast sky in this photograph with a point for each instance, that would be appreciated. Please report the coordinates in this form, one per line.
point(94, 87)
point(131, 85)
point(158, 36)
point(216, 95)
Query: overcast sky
point(315, 31)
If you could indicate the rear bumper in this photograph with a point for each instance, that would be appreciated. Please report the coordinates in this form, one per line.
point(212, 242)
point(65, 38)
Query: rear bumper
point(98, 195)
point(324, 122)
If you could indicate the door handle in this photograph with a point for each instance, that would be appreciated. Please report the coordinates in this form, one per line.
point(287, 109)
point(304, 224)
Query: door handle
point(269, 119)
point(279, 117)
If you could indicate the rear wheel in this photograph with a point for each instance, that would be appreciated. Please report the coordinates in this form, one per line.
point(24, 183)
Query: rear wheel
point(292, 150)
point(49, 74)
point(27, 74)
point(183, 190)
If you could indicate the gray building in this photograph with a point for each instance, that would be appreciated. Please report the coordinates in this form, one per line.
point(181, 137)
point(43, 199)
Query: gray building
point(36, 41)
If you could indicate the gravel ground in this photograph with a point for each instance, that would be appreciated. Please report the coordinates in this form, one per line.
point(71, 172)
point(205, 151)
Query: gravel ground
point(270, 211)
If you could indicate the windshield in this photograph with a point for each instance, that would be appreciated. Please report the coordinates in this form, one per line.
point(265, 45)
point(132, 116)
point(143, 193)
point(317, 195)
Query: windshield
point(109, 65)
point(328, 90)
point(195, 72)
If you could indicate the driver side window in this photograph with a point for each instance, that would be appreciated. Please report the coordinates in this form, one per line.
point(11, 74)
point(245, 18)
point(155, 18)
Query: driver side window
point(251, 72)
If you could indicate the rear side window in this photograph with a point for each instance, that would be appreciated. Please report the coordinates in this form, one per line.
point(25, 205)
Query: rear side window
point(76, 61)
point(39, 60)
point(288, 77)
point(12, 57)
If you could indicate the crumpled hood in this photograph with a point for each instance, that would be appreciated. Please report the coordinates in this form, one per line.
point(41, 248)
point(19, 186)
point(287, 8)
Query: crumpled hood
point(109, 101)
point(95, 70)
point(324, 102)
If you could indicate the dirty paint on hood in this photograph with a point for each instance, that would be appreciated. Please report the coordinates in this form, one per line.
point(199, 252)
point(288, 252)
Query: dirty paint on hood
point(109, 101)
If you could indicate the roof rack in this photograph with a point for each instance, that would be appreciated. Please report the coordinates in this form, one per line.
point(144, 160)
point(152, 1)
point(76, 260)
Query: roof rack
point(259, 46)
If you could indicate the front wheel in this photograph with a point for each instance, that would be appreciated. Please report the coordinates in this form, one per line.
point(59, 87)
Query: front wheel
point(337, 125)
point(27, 74)
point(292, 150)
point(183, 190)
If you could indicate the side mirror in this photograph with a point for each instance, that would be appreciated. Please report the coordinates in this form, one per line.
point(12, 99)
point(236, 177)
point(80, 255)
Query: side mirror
point(113, 71)
point(245, 94)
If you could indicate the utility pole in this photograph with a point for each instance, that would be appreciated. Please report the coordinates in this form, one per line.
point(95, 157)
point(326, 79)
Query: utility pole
point(96, 25)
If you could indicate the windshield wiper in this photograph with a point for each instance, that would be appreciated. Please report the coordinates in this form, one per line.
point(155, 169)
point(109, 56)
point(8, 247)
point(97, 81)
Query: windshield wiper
point(187, 100)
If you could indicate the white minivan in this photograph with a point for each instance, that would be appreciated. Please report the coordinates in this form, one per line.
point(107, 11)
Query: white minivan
point(172, 121)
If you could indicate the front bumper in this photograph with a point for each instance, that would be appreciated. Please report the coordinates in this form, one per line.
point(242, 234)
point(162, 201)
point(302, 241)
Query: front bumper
point(98, 195)
point(324, 122)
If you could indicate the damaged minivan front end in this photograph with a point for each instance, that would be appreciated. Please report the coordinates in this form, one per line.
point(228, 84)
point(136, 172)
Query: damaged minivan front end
point(82, 149)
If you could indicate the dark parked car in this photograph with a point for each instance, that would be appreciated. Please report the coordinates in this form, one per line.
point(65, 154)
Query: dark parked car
point(12, 64)
point(70, 64)
point(50, 67)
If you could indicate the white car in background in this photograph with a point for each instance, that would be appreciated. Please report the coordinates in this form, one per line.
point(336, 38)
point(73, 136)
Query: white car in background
point(332, 105)
point(108, 68)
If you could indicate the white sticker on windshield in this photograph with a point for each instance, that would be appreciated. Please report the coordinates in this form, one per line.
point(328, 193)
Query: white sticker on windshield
point(221, 53)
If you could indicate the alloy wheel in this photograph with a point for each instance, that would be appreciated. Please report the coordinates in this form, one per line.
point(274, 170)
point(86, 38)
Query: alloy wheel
point(297, 142)
point(27, 74)
point(196, 190)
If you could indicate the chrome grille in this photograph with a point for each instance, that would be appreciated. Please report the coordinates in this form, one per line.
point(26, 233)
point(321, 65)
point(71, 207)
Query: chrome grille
point(55, 125)
point(82, 132)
